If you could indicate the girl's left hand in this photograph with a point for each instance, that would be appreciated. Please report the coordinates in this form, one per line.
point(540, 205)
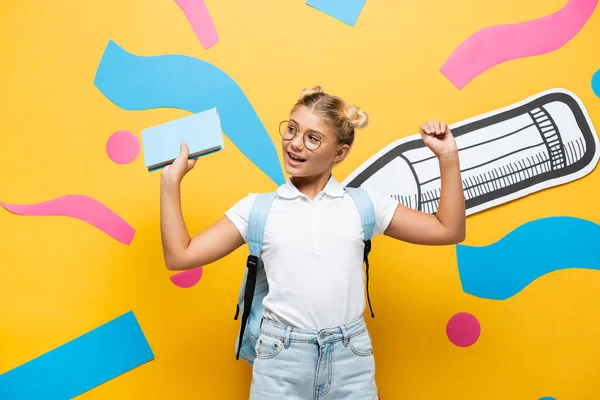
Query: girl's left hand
point(437, 136)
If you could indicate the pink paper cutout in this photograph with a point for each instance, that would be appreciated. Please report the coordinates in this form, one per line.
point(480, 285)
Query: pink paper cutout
point(187, 279)
point(463, 329)
point(123, 147)
point(81, 207)
point(496, 44)
point(199, 18)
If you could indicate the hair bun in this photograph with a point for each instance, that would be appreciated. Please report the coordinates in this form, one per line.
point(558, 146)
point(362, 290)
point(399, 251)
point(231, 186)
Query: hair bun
point(309, 92)
point(357, 117)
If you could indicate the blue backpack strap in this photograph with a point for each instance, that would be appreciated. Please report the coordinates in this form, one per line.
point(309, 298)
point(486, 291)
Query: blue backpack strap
point(256, 229)
point(257, 220)
point(366, 209)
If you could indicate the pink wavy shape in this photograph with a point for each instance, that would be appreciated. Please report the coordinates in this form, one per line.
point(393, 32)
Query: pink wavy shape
point(187, 279)
point(199, 18)
point(81, 207)
point(496, 44)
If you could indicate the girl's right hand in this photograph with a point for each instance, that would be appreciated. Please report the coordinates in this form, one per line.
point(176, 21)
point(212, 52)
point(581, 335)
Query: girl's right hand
point(174, 173)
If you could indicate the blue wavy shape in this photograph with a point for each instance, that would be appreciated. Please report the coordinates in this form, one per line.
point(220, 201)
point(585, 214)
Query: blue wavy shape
point(502, 269)
point(135, 82)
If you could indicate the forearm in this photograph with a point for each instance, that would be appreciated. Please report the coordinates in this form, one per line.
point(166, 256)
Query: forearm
point(174, 233)
point(451, 211)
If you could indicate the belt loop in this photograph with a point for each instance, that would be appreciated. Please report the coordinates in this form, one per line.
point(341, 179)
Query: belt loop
point(261, 321)
point(286, 339)
point(345, 333)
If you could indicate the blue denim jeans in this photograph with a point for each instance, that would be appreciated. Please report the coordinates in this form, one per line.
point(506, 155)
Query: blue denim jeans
point(329, 364)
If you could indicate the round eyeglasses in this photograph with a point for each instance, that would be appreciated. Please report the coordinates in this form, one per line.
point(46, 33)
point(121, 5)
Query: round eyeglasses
point(288, 131)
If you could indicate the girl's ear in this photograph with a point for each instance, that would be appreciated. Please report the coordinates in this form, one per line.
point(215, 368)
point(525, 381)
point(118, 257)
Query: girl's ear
point(342, 153)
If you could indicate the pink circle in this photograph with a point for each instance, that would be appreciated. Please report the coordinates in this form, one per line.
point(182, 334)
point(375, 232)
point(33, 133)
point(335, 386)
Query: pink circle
point(187, 279)
point(463, 329)
point(123, 147)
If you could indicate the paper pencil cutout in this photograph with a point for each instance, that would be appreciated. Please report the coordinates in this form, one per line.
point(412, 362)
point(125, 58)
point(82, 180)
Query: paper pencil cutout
point(543, 141)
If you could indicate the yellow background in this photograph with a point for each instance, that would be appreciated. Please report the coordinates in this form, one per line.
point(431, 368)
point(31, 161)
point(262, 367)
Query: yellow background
point(60, 277)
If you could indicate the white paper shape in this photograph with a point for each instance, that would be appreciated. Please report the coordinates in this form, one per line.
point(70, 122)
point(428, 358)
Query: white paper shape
point(545, 140)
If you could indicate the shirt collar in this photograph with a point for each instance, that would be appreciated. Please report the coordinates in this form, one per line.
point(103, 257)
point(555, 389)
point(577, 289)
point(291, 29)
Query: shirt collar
point(288, 191)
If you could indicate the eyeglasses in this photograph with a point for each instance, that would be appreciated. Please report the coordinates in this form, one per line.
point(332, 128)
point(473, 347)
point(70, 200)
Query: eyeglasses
point(288, 131)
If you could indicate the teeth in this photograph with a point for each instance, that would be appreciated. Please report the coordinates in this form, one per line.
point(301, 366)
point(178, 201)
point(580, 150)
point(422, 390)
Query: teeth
point(296, 158)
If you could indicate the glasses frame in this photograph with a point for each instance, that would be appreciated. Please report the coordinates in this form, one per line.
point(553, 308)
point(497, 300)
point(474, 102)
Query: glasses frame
point(286, 122)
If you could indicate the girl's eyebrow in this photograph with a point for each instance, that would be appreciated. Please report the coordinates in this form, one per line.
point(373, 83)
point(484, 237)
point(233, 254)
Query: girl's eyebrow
point(311, 130)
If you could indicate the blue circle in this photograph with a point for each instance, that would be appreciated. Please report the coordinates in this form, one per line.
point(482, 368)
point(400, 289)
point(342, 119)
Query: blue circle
point(552, 398)
point(596, 89)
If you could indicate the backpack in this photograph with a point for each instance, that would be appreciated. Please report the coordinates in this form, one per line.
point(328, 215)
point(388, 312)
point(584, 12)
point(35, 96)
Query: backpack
point(255, 287)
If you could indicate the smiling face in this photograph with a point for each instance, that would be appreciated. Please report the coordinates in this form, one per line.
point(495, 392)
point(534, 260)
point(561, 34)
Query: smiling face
point(303, 161)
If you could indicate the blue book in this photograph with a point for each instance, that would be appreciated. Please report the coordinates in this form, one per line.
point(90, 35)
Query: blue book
point(201, 131)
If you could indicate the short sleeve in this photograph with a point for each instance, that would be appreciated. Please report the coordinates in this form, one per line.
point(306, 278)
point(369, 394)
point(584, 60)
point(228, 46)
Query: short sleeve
point(385, 207)
point(239, 214)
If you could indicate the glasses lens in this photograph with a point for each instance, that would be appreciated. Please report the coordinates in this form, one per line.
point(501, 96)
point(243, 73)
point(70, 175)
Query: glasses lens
point(286, 130)
point(311, 144)
point(311, 141)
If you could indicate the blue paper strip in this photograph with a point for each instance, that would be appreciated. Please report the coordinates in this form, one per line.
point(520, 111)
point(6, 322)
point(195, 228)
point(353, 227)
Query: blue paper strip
point(138, 83)
point(81, 364)
point(346, 11)
point(504, 268)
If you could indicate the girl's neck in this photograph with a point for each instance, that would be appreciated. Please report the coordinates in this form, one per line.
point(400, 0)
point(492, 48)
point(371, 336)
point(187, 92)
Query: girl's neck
point(311, 186)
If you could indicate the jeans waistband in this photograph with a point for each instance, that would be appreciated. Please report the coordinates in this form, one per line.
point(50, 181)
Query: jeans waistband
point(289, 334)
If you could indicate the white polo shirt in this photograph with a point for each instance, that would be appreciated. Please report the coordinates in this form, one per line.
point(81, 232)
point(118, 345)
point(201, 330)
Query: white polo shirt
point(313, 254)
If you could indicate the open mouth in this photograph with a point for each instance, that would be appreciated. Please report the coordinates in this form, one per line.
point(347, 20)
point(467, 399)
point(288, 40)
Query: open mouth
point(295, 157)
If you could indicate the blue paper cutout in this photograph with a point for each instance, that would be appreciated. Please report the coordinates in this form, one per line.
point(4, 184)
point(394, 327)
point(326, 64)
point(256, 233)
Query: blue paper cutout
point(81, 364)
point(138, 83)
point(502, 269)
point(596, 83)
point(346, 11)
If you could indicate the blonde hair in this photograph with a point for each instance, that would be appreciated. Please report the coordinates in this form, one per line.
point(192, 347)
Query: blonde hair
point(341, 117)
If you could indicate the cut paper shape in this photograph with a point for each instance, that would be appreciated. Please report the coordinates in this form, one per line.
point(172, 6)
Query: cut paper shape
point(139, 83)
point(463, 329)
point(81, 207)
point(187, 279)
point(90, 360)
point(123, 147)
point(545, 140)
point(496, 44)
point(596, 83)
point(199, 18)
point(502, 269)
point(346, 11)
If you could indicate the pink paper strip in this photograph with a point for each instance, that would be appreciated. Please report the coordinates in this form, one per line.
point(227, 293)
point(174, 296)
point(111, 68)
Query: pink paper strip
point(81, 207)
point(197, 15)
point(497, 44)
point(187, 279)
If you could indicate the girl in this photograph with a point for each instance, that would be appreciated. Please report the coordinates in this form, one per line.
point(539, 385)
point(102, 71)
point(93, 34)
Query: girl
point(314, 342)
